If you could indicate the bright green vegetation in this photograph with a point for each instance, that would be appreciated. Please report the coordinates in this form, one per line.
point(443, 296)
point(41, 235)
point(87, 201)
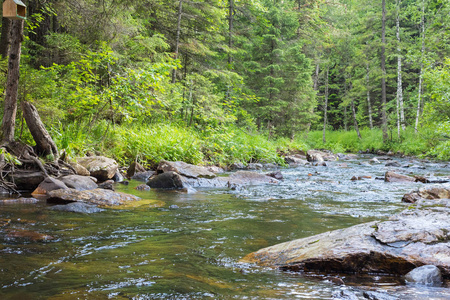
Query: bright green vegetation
point(227, 81)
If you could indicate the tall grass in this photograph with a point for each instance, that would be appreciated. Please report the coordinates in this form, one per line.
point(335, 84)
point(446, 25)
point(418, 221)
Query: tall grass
point(148, 144)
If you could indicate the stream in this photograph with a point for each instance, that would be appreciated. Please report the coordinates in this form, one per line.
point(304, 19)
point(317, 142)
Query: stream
point(188, 246)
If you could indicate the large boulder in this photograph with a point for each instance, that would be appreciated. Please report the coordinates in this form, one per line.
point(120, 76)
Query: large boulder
point(394, 177)
point(167, 180)
point(100, 167)
point(413, 238)
point(184, 169)
point(47, 185)
point(99, 197)
point(80, 183)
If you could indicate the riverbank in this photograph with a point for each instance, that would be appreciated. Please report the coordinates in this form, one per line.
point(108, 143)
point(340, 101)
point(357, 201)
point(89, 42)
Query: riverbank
point(225, 145)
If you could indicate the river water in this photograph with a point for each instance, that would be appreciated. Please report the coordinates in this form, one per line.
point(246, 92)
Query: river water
point(188, 246)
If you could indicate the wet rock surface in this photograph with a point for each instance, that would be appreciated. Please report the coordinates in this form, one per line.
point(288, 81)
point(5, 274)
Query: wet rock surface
point(432, 192)
point(47, 185)
point(412, 238)
point(394, 177)
point(100, 167)
point(184, 169)
point(99, 197)
point(77, 207)
point(79, 183)
point(167, 180)
point(428, 275)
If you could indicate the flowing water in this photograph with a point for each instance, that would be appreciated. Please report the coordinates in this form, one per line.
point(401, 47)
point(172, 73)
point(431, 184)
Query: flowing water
point(188, 246)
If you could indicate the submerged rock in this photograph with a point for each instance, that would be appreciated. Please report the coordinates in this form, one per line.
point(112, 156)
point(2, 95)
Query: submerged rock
point(428, 275)
point(77, 207)
point(410, 239)
point(142, 187)
point(100, 167)
point(98, 196)
point(377, 296)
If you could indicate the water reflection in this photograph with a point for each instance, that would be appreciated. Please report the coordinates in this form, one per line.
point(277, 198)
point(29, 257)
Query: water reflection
point(189, 248)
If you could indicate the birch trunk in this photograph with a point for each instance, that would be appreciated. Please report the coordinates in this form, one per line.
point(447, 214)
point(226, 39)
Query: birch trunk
point(400, 109)
point(177, 39)
point(369, 105)
point(325, 107)
point(383, 76)
point(419, 98)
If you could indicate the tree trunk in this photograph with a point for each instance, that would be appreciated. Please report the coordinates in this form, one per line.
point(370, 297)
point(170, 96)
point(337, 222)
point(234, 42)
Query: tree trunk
point(416, 126)
point(325, 106)
point(354, 119)
point(230, 31)
point(400, 109)
point(44, 142)
point(5, 38)
point(383, 75)
point(177, 39)
point(12, 81)
point(369, 105)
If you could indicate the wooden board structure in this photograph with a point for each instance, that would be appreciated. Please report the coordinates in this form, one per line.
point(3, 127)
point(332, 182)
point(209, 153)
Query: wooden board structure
point(14, 9)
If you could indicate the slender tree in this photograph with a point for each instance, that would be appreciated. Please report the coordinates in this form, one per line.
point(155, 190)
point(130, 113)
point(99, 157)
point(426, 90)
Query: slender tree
point(400, 110)
point(422, 52)
point(383, 71)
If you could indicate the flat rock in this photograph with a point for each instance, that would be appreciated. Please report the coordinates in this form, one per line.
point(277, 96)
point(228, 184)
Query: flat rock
point(413, 238)
point(80, 183)
point(184, 169)
point(99, 197)
point(100, 167)
point(249, 178)
point(394, 177)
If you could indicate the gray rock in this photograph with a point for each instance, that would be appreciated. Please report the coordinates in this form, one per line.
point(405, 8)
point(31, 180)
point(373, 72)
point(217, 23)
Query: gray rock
point(393, 164)
point(319, 156)
point(430, 193)
point(428, 275)
point(107, 185)
point(49, 184)
point(79, 169)
point(215, 169)
point(345, 294)
point(249, 178)
point(237, 166)
point(97, 197)
point(118, 177)
point(134, 168)
point(377, 296)
point(142, 187)
point(143, 176)
point(276, 174)
point(100, 167)
point(254, 166)
point(79, 183)
point(77, 207)
point(412, 238)
point(166, 180)
point(294, 160)
point(185, 169)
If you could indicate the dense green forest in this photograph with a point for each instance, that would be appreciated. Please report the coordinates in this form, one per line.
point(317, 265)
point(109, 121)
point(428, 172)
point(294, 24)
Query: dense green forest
point(236, 80)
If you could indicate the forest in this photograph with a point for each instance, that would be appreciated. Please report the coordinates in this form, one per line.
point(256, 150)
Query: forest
point(212, 81)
